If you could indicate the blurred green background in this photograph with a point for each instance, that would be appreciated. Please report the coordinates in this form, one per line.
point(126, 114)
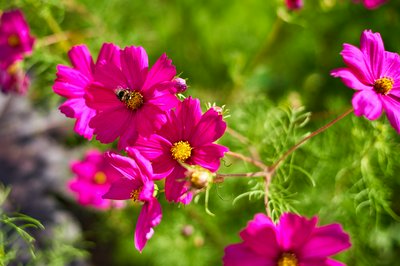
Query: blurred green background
point(263, 62)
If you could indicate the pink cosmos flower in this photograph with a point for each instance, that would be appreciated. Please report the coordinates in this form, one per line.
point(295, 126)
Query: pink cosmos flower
point(375, 76)
point(131, 100)
point(136, 184)
point(15, 38)
point(294, 4)
point(14, 79)
point(71, 82)
point(188, 137)
point(371, 4)
point(294, 241)
point(93, 178)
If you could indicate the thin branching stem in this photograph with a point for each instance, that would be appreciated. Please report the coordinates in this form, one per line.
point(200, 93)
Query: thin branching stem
point(244, 140)
point(255, 162)
point(316, 132)
point(220, 177)
point(267, 181)
point(237, 135)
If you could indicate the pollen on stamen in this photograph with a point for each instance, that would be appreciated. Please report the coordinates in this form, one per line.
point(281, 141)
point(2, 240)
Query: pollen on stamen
point(135, 194)
point(100, 178)
point(288, 259)
point(181, 151)
point(132, 99)
point(13, 40)
point(383, 85)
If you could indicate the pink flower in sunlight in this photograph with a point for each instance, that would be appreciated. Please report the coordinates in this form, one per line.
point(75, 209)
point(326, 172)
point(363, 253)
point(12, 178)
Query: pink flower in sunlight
point(15, 38)
point(294, 241)
point(93, 178)
point(131, 100)
point(14, 79)
point(371, 4)
point(136, 184)
point(71, 83)
point(294, 4)
point(375, 76)
point(187, 137)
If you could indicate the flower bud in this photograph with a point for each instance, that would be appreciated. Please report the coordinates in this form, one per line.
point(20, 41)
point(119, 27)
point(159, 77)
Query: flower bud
point(199, 177)
point(294, 4)
point(180, 85)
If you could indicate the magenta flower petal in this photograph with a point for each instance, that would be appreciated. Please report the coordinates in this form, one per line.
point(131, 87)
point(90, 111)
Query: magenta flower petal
point(367, 103)
point(375, 74)
point(161, 71)
point(156, 149)
point(15, 38)
point(295, 240)
point(143, 165)
point(126, 166)
point(110, 77)
point(260, 236)
point(371, 44)
point(153, 147)
point(210, 128)
point(391, 68)
point(124, 86)
point(187, 137)
point(83, 120)
point(294, 230)
point(135, 169)
point(122, 188)
point(109, 54)
point(349, 79)
point(13, 79)
point(73, 83)
point(75, 108)
point(392, 107)
point(94, 177)
point(136, 184)
point(371, 4)
point(325, 241)
point(162, 99)
point(208, 156)
point(188, 115)
point(135, 65)
point(240, 255)
point(149, 217)
point(82, 60)
point(149, 119)
point(354, 58)
point(101, 124)
point(100, 98)
point(294, 4)
point(67, 110)
point(70, 82)
point(176, 187)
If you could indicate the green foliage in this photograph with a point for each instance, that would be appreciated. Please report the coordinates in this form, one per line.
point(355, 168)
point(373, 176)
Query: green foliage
point(13, 228)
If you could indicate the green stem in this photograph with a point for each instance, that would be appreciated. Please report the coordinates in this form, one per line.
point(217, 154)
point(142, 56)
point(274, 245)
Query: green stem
point(316, 132)
point(257, 163)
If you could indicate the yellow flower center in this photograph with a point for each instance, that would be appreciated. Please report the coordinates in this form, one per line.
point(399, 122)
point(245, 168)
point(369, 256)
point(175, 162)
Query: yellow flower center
point(132, 99)
point(100, 178)
point(181, 151)
point(13, 69)
point(383, 85)
point(135, 194)
point(287, 259)
point(13, 40)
